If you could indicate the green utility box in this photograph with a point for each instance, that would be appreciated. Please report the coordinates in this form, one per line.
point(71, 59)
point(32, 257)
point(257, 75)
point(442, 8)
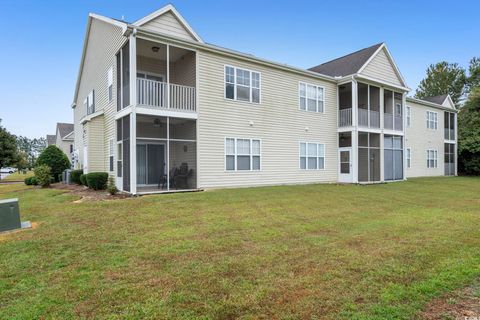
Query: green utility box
point(9, 215)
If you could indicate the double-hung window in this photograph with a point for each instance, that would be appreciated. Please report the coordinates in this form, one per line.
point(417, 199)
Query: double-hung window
point(89, 102)
point(312, 156)
point(110, 155)
point(110, 84)
point(242, 154)
point(242, 84)
point(311, 97)
point(409, 157)
point(432, 120)
point(432, 158)
point(409, 116)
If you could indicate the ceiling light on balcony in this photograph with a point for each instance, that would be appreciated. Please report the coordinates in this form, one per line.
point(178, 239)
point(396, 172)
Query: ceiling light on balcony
point(155, 49)
point(157, 123)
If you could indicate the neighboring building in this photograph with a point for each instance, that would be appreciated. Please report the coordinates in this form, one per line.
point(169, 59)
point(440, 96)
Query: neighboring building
point(63, 138)
point(154, 103)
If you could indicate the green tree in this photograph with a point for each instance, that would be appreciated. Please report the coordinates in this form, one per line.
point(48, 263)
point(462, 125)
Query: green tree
point(469, 135)
point(443, 78)
point(31, 147)
point(53, 157)
point(473, 74)
point(8, 148)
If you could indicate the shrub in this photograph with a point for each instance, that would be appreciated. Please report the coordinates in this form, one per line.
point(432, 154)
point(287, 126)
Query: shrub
point(83, 179)
point(112, 189)
point(43, 175)
point(97, 180)
point(31, 181)
point(75, 176)
point(53, 157)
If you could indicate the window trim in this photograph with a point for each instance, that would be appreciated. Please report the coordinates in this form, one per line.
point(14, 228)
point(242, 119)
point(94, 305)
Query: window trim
point(306, 156)
point(110, 84)
point(408, 116)
point(408, 157)
point(235, 154)
point(235, 84)
point(306, 98)
point(111, 154)
point(435, 121)
point(434, 159)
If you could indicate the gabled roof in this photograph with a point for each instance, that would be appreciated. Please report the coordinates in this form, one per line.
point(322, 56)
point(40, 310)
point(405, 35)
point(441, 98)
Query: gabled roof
point(64, 129)
point(349, 64)
point(169, 8)
point(51, 139)
point(436, 99)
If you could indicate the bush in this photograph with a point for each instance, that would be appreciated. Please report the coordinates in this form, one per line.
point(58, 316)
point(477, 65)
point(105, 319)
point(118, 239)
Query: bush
point(43, 175)
point(97, 180)
point(53, 157)
point(112, 189)
point(83, 179)
point(31, 181)
point(75, 176)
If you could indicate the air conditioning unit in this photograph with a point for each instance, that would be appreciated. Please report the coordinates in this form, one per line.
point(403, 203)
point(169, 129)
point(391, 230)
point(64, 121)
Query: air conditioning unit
point(10, 216)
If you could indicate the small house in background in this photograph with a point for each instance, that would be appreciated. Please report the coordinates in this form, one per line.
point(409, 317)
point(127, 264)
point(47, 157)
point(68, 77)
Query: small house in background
point(63, 138)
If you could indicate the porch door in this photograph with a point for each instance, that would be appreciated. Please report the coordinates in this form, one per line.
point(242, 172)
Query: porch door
point(345, 165)
point(150, 163)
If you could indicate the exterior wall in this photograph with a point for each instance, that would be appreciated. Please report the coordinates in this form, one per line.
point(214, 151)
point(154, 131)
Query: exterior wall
point(181, 72)
point(420, 139)
point(169, 25)
point(104, 41)
point(95, 133)
point(277, 121)
point(381, 68)
point(64, 145)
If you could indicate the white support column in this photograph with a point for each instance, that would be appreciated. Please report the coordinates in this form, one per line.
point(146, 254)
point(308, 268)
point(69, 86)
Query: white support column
point(168, 153)
point(382, 147)
point(354, 103)
point(404, 125)
point(456, 143)
point(168, 76)
point(355, 131)
point(133, 114)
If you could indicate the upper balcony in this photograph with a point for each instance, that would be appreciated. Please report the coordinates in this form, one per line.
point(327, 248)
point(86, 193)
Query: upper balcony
point(367, 104)
point(165, 77)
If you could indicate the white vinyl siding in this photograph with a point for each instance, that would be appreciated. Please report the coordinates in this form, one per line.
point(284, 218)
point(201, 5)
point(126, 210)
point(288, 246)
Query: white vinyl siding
point(432, 120)
point(312, 156)
point(242, 154)
point(242, 84)
point(380, 67)
point(311, 97)
point(432, 158)
point(168, 24)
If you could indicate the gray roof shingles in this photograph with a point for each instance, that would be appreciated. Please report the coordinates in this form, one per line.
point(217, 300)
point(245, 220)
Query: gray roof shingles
point(346, 65)
point(436, 99)
point(51, 139)
point(64, 128)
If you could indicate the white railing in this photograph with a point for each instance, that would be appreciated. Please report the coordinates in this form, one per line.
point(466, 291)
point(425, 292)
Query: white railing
point(398, 125)
point(368, 118)
point(345, 117)
point(362, 117)
point(388, 121)
point(152, 93)
point(374, 119)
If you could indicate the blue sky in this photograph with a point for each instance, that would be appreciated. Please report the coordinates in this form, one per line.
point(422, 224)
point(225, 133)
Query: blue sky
point(42, 41)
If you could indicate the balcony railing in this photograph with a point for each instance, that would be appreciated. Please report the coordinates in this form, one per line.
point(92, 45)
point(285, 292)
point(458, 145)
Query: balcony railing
point(392, 122)
point(368, 118)
point(345, 117)
point(152, 93)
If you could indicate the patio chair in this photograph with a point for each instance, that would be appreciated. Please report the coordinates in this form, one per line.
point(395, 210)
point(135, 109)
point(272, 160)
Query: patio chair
point(181, 177)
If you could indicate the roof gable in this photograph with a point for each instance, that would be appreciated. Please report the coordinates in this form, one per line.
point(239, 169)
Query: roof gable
point(382, 66)
point(168, 20)
point(443, 100)
point(64, 129)
point(347, 65)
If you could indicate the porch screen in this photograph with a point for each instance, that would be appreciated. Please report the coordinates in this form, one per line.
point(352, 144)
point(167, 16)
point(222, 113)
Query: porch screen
point(123, 145)
point(393, 157)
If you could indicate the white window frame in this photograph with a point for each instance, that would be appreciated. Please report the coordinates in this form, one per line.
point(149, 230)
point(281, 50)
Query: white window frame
point(432, 156)
point(251, 88)
point(111, 152)
point(90, 102)
point(235, 154)
point(306, 156)
point(317, 99)
point(408, 116)
point(432, 120)
point(110, 84)
point(409, 157)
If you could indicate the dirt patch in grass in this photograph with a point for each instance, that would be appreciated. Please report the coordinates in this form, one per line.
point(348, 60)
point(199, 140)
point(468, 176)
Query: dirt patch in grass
point(461, 304)
point(86, 194)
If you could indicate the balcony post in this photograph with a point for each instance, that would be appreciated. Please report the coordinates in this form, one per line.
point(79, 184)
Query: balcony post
point(354, 103)
point(133, 115)
point(456, 142)
point(168, 76)
point(404, 140)
point(382, 127)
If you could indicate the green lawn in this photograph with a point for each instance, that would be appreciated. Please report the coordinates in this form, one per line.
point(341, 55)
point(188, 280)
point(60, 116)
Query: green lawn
point(289, 252)
point(18, 176)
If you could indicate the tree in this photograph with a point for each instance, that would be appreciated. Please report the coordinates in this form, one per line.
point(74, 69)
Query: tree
point(53, 157)
point(22, 161)
point(443, 78)
point(8, 148)
point(31, 147)
point(473, 74)
point(469, 135)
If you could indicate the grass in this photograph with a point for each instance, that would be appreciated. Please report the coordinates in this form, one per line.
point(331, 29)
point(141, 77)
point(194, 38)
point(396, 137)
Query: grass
point(289, 252)
point(18, 176)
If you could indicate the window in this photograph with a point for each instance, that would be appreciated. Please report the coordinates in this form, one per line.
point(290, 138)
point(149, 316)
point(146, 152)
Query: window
point(312, 156)
point(242, 154)
point(432, 158)
point(393, 157)
point(119, 159)
point(110, 154)
point(89, 102)
point(409, 157)
point(311, 97)
point(432, 120)
point(110, 84)
point(242, 85)
point(449, 125)
point(409, 116)
point(71, 148)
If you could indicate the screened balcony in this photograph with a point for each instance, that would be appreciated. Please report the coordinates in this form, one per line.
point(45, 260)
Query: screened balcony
point(368, 106)
point(393, 110)
point(345, 105)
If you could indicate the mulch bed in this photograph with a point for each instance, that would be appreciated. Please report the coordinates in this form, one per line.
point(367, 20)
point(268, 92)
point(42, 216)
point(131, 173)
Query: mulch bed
point(86, 194)
point(461, 304)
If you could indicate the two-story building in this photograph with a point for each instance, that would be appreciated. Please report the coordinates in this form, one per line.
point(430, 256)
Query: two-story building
point(161, 110)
